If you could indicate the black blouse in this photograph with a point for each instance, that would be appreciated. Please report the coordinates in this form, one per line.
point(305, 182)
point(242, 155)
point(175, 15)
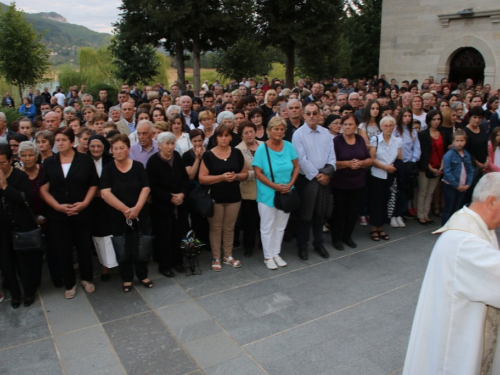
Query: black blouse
point(70, 189)
point(13, 212)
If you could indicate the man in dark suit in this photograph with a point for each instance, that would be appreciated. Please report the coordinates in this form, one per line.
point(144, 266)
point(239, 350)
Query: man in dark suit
point(7, 100)
point(190, 116)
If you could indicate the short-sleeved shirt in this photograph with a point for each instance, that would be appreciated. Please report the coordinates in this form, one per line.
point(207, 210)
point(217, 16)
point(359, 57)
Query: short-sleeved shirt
point(348, 178)
point(224, 192)
point(282, 169)
point(386, 153)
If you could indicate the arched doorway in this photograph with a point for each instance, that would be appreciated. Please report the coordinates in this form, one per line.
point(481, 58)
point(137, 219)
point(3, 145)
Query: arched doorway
point(467, 63)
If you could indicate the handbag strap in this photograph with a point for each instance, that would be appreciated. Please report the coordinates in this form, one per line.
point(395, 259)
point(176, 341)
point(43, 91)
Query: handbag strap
point(29, 209)
point(269, 160)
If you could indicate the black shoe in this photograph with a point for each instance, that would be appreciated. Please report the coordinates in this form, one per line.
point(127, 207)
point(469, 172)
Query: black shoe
point(58, 283)
point(15, 303)
point(105, 277)
point(422, 222)
point(430, 222)
point(167, 273)
point(349, 242)
point(322, 252)
point(303, 253)
point(28, 301)
point(338, 245)
point(180, 268)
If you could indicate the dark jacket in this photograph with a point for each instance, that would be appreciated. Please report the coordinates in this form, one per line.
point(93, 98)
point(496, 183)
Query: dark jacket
point(426, 148)
point(290, 129)
point(13, 212)
point(81, 177)
point(194, 118)
point(100, 210)
point(317, 199)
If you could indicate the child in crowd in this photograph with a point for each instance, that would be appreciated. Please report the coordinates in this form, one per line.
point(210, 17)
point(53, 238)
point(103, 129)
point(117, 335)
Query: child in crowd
point(458, 175)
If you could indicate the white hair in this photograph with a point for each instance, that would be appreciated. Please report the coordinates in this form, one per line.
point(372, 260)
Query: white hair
point(3, 117)
point(146, 122)
point(387, 119)
point(488, 186)
point(293, 101)
point(172, 108)
point(225, 115)
point(27, 146)
point(166, 137)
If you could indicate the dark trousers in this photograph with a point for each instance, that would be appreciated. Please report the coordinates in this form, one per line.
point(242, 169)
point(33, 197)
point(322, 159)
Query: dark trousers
point(346, 206)
point(129, 263)
point(250, 221)
point(378, 198)
point(169, 231)
point(453, 200)
point(65, 236)
point(304, 227)
point(13, 263)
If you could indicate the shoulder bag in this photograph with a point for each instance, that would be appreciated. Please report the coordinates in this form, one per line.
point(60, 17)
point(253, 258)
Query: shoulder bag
point(33, 240)
point(288, 202)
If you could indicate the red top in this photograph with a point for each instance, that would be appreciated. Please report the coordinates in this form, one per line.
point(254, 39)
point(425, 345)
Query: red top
point(437, 152)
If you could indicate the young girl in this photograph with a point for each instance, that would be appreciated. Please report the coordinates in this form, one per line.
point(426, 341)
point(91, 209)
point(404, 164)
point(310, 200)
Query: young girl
point(458, 175)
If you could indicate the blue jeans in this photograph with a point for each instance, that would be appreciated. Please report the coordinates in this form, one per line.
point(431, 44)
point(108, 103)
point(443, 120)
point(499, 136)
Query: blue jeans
point(452, 202)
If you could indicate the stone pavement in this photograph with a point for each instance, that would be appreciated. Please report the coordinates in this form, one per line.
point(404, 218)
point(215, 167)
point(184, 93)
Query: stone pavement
point(350, 314)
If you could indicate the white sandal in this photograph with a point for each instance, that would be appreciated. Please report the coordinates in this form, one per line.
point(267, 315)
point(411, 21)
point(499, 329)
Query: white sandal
point(232, 262)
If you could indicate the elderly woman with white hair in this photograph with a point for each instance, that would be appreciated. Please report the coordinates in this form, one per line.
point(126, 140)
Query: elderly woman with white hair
point(385, 149)
point(225, 118)
point(169, 183)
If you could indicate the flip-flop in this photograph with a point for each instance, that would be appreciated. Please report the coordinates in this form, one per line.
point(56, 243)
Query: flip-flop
point(88, 286)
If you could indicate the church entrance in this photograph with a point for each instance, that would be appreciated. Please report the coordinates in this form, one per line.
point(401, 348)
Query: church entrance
point(467, 63)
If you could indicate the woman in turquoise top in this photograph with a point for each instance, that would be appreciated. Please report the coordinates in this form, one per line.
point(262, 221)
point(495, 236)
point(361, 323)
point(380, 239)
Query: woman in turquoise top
point(285, 165)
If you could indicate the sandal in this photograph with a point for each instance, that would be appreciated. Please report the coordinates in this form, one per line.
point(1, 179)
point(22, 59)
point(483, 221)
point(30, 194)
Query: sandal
point(127, 288)
point(232, 262)
point(384, 235)
point(375, 235)
point(89, 287)
point(147, 284)
point(70, 293)
point(216, 266)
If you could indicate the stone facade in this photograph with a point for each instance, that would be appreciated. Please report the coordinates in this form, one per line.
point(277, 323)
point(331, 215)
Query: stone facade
point(420, 37)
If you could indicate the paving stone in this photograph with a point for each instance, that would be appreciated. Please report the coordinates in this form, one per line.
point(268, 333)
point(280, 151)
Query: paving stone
point(242, 365)
point(38, 358)
point(144, 346)
point(164, 292)
point(211, 350)
point(22, 325)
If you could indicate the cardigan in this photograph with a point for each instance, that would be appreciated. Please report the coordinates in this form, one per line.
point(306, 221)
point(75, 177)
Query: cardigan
point(248, 187)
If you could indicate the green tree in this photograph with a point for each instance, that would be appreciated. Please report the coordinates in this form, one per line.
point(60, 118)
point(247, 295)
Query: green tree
point(246, 58)
point(24, 59)
point(297, 27)
point(134, 63)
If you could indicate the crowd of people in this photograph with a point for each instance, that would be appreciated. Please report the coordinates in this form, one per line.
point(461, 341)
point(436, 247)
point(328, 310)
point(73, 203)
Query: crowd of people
point(95, 171)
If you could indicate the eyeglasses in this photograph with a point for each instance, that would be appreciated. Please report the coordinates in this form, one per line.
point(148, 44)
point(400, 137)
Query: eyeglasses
point(315, 113)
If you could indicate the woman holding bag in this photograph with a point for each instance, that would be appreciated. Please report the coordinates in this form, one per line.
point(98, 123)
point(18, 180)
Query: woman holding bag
point(279, 155)
point(125, 187)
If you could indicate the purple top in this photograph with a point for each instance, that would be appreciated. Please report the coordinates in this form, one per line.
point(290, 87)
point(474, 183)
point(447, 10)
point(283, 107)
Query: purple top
point(348, 178)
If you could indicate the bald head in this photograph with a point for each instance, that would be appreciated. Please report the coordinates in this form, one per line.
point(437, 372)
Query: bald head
point(52, 121)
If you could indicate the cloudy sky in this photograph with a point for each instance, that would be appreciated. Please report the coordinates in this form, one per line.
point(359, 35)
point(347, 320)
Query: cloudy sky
point(97, 15)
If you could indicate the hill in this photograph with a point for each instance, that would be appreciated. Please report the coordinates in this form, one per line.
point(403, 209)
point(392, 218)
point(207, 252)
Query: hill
point(64, 38)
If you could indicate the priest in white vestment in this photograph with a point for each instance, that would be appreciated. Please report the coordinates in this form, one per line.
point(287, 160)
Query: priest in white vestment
point(457, 318)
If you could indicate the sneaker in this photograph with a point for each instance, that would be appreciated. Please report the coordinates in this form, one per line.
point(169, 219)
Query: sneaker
point(401, 222)
point(362, 221)
point(394, 222)
point(270, 264)
point(279, 261)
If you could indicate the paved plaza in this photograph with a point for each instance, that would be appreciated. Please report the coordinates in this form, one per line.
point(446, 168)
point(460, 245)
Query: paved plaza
point(350, 314)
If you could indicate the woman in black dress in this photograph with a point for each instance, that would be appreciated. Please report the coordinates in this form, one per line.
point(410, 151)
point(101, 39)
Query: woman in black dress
point(99, 151)
point(169, 188)
point(125, 187)
point(69, 184)
point(14, 215)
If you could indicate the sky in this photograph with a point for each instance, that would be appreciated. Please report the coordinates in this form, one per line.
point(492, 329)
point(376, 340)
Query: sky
point(97, 15)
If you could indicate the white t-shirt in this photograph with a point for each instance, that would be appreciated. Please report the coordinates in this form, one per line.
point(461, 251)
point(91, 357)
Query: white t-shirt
point(60, 98)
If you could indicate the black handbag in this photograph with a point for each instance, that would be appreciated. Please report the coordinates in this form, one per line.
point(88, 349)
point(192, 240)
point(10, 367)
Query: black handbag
point(33, 240)
point(200, 202)
point(143, 241)
point(288, 202)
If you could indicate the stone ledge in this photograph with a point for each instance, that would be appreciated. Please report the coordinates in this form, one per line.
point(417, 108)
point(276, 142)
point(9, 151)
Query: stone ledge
point(446, 18)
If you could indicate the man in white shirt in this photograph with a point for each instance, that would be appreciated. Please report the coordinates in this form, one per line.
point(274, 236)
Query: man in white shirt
point(456, 322)
point(60, 97)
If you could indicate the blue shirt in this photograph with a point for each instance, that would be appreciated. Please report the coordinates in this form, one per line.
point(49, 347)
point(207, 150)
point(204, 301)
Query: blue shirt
point(314, 149)
point(411, 147)
point(282, 169)
point(138, 153)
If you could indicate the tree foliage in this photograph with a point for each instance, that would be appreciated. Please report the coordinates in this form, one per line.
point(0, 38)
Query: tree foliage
point(24, 59)
point(246, 58)
point(134, 63)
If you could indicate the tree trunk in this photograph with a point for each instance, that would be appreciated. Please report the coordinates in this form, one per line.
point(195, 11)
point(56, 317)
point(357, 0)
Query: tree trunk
point(179, 56)
point(196, 64)
point(20, 95)
point(290, 66)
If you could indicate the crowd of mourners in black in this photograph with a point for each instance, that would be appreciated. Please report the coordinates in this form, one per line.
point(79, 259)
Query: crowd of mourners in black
point(91, 170)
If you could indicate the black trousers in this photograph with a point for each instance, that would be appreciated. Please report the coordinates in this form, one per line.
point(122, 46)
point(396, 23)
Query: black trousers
point(250, 221)
point(65, 236)
point(169, 231)
point(13, 263)
point(129, 264)
point(378, 198)
point(346, 206)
